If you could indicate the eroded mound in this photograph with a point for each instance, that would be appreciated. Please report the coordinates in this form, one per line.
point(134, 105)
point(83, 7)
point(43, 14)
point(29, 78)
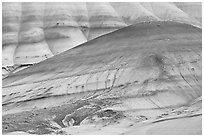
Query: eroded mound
point(33, 32)
point(149, 72)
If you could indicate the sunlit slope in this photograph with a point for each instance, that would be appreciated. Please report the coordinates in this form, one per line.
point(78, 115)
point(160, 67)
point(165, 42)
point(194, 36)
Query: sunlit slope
point(191, 8)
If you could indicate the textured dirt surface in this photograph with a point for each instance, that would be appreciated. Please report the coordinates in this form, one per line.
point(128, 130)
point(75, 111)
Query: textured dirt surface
point(138, 77)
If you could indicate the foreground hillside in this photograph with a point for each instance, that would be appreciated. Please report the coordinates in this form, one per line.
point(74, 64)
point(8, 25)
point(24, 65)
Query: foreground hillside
point(137, 79)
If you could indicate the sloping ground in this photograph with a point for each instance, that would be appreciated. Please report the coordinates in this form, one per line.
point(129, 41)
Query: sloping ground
point(145, 72)
point(33, 32)
point(192, 9)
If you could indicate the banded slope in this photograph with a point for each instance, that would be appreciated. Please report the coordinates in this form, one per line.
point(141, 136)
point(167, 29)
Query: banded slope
point(33, 32)
point(139, 72)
